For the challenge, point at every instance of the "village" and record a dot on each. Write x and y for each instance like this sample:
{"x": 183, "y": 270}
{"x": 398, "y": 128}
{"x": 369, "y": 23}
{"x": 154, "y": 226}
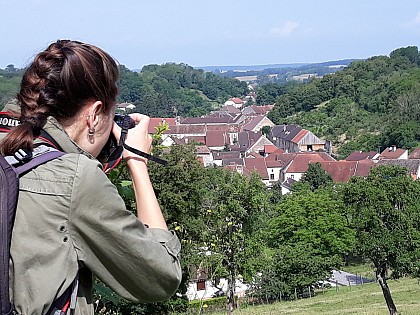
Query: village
{"x": 243, "y": 139}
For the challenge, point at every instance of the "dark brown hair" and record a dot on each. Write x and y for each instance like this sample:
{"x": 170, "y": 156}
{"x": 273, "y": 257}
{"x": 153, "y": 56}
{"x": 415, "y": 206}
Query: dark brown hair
{"x": 58, "y": 83}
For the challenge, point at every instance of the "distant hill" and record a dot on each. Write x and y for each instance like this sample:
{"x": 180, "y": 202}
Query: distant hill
{"x": 273, "y": 66}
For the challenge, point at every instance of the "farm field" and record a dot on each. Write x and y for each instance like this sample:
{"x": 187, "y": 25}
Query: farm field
{"x": 363, "y": 299}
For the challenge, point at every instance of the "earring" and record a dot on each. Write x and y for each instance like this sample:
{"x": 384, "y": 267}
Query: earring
{"x": 91, "y": 133}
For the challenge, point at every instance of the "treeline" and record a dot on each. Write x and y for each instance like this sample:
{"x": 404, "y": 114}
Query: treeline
{"x": 369, "y": 105}
{"x": 171, "y": 89}
{"x": 164, "y": 90}
{"x": 233, "y": 227}
{"x": 10, "y": 78}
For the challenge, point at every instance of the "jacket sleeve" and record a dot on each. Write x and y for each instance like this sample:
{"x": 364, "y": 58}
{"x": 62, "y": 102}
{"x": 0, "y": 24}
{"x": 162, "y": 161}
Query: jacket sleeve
{"x": 138, "y": 263}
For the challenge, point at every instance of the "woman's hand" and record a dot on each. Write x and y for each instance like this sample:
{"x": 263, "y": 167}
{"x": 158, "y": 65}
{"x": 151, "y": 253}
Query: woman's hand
{"x": 137, "y": 137}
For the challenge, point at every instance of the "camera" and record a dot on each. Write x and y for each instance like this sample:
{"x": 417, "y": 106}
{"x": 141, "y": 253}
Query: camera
{"x": 111, "y": 153}
{"x": 120, "y": 120}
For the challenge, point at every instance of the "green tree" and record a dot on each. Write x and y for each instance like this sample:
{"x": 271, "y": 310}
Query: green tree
{"x": 234, "y": 207}
{"x": 310, "y": 237}
{"x": 384, "y": 210}
{"x": 316, "y": 177}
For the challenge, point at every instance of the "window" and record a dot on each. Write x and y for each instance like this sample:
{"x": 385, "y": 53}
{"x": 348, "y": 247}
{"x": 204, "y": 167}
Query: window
{"x": 271, "y": 176}
{"x": 201, "y": 285}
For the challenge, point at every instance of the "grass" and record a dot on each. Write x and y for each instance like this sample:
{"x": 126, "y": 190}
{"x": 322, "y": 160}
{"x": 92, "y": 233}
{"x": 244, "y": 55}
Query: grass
{"x": 363, "y": 299}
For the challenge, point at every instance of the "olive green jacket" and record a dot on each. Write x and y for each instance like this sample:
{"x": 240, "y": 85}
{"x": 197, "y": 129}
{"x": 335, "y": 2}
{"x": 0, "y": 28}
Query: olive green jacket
{"x": 70, "y": 218}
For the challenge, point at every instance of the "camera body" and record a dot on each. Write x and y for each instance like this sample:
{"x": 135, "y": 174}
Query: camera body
{"x": 112, "y": 151}
{"x": 120, "y": 120}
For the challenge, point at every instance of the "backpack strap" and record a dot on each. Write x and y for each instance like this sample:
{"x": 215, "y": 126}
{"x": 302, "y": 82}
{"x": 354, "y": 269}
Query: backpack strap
{"x": 11, "y": 168}
{"x": 9, "y": 187}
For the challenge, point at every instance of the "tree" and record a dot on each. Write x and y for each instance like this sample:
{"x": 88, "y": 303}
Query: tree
{"x": 234, "y": 207}
{"x": 384, "y": 210}
{"x": 316, "y": 177}
{"x": 310, "y": 237}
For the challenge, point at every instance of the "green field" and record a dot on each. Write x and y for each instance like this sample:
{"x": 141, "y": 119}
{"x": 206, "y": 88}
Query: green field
{"x": 363, "y": 299}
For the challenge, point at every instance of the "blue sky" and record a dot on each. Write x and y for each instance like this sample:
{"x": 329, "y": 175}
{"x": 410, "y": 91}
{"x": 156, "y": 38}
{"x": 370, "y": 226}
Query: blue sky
{"x": 211, "y": 32}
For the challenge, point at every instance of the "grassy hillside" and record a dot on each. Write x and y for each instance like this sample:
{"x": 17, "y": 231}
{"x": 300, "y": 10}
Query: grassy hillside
{"x": 364, "y": 299}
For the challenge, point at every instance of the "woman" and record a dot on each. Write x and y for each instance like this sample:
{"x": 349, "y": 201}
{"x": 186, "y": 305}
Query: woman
{"x": 70, "y": 219}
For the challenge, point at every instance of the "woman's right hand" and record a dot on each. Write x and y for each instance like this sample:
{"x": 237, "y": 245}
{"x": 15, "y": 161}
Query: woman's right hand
{"x": 137, "y": 137}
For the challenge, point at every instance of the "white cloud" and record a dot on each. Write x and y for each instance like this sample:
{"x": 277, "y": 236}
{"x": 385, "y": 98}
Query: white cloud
{"x": 284, "y": 30}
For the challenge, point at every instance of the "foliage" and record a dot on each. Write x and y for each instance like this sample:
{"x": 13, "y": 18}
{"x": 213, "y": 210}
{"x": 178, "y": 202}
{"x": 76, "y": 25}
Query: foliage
{"x": 10, "y": 79}
{"x": 384, "y": 210}
{"x": 316, "y": 177}
{"x": 309, "y": 237}
{"x": 172, "y": 89}
{"x": 379, "y": 96}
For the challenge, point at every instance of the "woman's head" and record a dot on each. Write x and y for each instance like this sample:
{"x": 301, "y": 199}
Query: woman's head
{"x": 60, "y": 82}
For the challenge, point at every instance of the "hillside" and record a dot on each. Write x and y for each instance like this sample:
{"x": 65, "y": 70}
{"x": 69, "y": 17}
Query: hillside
{"x": 369, "y": 105}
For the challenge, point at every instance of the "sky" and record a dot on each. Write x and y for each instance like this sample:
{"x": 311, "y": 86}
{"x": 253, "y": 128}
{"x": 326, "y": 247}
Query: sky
{"x": 212, "y": 32}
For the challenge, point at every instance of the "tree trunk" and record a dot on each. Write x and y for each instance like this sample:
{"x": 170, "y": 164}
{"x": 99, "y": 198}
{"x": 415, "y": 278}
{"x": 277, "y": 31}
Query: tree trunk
{"x": 381, "y": 276}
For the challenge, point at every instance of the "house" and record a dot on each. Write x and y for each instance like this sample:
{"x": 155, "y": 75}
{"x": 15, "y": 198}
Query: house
{"x": 293, "y": 138}
{"x": 234, "y": 101}
{"x": 360, "y": 155}
{"x": 273, "y": 170}
{"x": 217, "y": 140}
{"x": 259, "y": 145}
{"x": 203, "y": 153}
{"x": 286, "y": 186}
{"x": 300, "y": 163}
{"x": 123, "y": 107}
{"x": 257, "y": 123}
{"x": 224, "y": 158}
{"x": 255, "y": 110}
{"x": 342, "y": 171}
{"x": 393, "y": 153}
{"x": 257, "y": 165}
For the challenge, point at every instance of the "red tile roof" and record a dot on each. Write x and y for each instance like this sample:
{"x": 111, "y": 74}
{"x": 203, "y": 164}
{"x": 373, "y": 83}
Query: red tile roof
{"x": 271, "y": 148}
{"x": 216, "y": 138}
{"x": 300, "y": 136}
{"x": 258, "y": 165}
{"x": 236, "y": 100}
{"x": 253, "y": 123}
{"x": 342, "y": 171}
{"x": 392, "y": 153}
{"x": 360, "y": 155}
{"x": 301, "y": 161}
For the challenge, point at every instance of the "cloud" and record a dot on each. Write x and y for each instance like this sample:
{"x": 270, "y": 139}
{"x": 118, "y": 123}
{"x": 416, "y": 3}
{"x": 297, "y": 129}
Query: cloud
{"x": 284, "y": 30}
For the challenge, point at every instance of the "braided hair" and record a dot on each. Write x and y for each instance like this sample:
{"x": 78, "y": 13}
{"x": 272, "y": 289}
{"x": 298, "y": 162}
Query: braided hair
{"x": 58, "y": 83}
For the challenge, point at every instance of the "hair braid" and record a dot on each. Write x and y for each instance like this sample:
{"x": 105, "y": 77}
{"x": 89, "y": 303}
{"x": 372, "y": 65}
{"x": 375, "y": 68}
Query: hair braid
{"x": 58, "y": 83}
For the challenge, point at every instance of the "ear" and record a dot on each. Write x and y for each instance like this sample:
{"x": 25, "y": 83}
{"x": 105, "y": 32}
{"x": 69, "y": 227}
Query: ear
{"x": 93, "y": 112}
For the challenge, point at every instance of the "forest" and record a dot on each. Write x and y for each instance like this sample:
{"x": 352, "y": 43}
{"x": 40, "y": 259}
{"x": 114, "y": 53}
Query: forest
{"x": 281, "y": 245}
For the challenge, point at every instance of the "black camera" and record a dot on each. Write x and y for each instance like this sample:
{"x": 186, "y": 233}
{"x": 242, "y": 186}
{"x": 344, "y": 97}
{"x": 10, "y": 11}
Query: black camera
{"x": 112, "y": 151}
{"x": 120, "y": 120}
